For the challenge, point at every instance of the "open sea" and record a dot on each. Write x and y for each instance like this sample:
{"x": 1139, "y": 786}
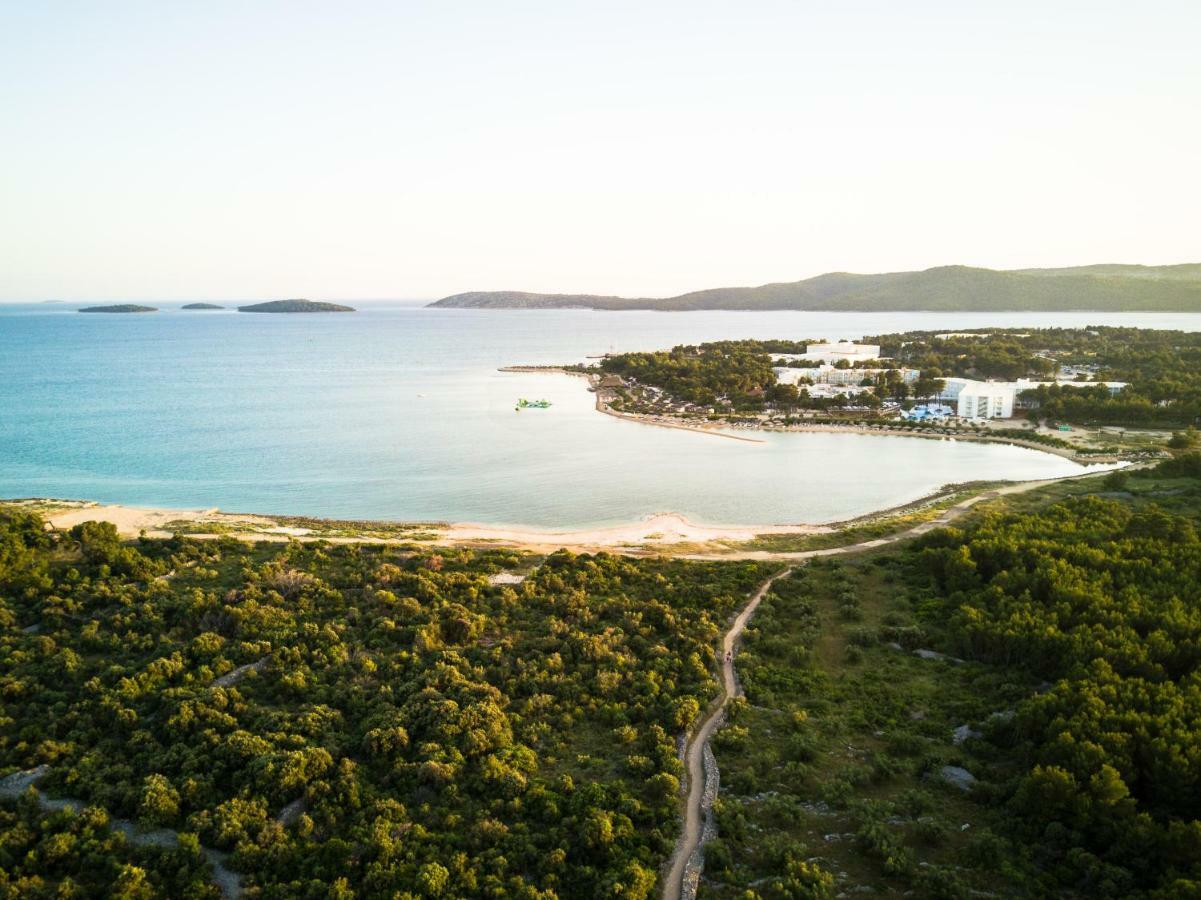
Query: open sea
{"x": 398, "y": 412}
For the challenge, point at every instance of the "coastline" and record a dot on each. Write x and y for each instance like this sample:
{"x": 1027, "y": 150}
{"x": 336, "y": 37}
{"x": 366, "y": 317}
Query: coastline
{"x": 658, "y": 530}
{"x": 882, "y": 430}
{"x": 602, "y": 404}
{"x": 660, "y": 533}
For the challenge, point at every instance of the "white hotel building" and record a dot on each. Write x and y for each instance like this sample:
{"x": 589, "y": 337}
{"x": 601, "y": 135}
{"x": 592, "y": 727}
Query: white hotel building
{"x": 995, "y": 399}
{"x": 852, "y": 353}
{"x": 980, "y": 399}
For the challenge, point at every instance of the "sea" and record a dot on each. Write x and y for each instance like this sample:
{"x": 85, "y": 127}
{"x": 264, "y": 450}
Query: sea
{"x": 400, "y": 412}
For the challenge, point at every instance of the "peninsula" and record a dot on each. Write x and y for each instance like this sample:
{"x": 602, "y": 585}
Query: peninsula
{"x": 1110, "y": 288}
{"x": 1091, "y": 395}
{"x": 119, "y": 308}
{"x": 295, "y": 306}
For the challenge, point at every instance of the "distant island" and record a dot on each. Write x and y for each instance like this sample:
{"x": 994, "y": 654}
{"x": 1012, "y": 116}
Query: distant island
{"x": 947, "y": 288}
{"x": 295, "y": 306}
{"x": 119, "y": 308}
{"x": 202, "y": 306}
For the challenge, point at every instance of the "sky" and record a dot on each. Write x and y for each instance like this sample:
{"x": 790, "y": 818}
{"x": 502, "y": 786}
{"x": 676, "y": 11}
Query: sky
{"x": 232, "y": 150}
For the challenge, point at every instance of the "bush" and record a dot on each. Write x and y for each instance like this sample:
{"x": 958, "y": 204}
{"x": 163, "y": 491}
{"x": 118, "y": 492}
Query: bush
{"x": 1186, "y": 465}
{"x": 1117, "y": 481}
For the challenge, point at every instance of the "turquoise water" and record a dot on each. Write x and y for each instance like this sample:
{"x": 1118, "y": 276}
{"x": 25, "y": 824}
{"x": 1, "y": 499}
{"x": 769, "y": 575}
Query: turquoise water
{"x": 398, "y": 412}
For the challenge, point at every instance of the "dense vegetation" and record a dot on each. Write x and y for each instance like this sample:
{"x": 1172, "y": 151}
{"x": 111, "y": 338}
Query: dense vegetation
{"x": 1066, "y": 703}
{"x": 739, "y": 371}
{"x": 1103, "y": 600}
{"x": 1163, "y": 369}
{"x": 1087, "y": 288}
{"x": 1009, "y": 706}
{"x": 348, "y": 719}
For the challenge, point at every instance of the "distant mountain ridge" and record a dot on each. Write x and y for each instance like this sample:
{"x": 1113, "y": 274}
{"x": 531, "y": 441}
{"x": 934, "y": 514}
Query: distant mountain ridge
{"x": 1108, "y": 287}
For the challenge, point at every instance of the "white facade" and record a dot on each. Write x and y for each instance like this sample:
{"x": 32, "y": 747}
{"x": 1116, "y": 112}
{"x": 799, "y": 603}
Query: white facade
{"x": 1115, "y": 387}
{"x": 792, "y": 374}
{"x": 828, "y": 374}
{"x": 832, "y": 353}
{"x": 996, "y": 399}
{"x": 986, "y": 402}
{"x": 831, "y": 375}
{"x": 980, "y": 399}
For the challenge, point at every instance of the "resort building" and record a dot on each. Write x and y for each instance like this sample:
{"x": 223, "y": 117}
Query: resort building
{"x": 832, "y": 375}
{"x": 828, "y": 374}
{"x": 852, "y": 353}
{"x": 1115, "y": 387}
{"x": 980, "y": 399}
{"x": 793, "y": 374}
{"x": 997, "y": 399}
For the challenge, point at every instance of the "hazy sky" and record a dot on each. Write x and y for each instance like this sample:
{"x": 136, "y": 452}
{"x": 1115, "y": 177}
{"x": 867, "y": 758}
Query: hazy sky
{"x": 164, "y": 150}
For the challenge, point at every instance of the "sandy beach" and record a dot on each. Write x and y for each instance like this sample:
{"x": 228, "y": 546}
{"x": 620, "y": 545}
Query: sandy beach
{"x": 663, "y": 529}
{"x": 658, "y": 530}
{"x": 666, "y": 532}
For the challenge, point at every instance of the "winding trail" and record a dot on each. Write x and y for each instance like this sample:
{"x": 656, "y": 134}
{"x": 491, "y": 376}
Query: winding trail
{"x": 690, "y": 838}
{"x": 686, "y": 860}
{"x": 226, "y": 879}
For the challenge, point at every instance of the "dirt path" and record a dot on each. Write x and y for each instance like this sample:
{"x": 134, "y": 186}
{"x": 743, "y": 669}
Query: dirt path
{"x": 950, "y": 514}
{"x": 686, "y": 863}
{"x": 694, "y": 754}
{"x": 227, "y": 881}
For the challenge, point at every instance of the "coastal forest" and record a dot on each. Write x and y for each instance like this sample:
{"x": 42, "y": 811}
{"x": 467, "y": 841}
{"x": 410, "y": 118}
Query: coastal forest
{"x": 1008, "y": 705}
{"x": 345, "y": 720}
{"x": 1162, "y": 370}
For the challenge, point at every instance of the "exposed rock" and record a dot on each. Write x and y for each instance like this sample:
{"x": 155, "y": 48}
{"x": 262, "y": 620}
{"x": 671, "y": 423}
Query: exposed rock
{"x": 236, "y": 675}
{"x": 290, "y": 813}
{"x": 963, "y": 733}
{"x": 506, "y": 578}
{"x": 696, "y": 863}
{"x": 15, "y": 784}
{"x": 934, "y": 654}
{"x": 957, "y": 776}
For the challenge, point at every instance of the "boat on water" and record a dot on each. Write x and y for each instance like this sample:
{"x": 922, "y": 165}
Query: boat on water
{"x": 531, "y": 404}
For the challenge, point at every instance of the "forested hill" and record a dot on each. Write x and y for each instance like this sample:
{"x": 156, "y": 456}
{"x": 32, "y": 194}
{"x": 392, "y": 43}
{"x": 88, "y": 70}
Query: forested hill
{"x": 960, "y": 288}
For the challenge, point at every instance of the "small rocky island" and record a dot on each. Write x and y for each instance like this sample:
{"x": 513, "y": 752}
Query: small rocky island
{"x": 295, "y": 306}
{"x": 119, "y": 308}
{"x": 202, "y": 306}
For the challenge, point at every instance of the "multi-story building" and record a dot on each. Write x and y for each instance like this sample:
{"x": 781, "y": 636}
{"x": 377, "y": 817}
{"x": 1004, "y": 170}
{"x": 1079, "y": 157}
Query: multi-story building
{"x": 997, "y": 399}
{"x": 828, "y": 374}
{"x": 852, "y": 353}
{"x": 980, "y": 399}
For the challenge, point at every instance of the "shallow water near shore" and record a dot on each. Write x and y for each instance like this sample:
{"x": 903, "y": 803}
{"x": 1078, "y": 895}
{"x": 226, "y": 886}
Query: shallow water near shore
{"x": 398, "y": 412}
